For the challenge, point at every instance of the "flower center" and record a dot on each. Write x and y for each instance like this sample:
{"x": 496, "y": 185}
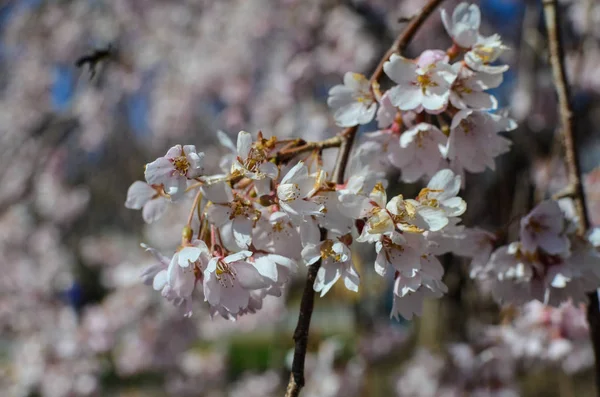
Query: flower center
{"x": 467, "y": 126}
{"x": 424, "y": 198}
{"x": 328, "y": 252}
{"x": 278, "y": 226}
{"x": 380, "y": 221}
{"x": 485, "y": 54}
{"x": 181, "y": 164}
{"x": 225, "y": 274}
{"x": 424, "y": 81}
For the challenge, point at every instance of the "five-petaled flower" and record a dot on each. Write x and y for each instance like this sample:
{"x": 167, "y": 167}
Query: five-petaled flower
{"x": 174, "y": 169}
{"x": 422, "y": 84}
{"x": 353, "y": 102}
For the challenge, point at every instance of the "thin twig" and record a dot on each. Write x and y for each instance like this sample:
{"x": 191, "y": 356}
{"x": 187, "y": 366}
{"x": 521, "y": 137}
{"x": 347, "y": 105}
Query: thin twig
{"x": 296, "y": 381}
{"x": 288, "y": 153}
{"x": 575, "y": 187}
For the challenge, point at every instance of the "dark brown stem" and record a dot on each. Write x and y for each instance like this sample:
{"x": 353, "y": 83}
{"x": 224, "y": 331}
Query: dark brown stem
{"x": 344, "y": 155}
{"x": 575, "y": 188}
{"x": 296, "y": 382}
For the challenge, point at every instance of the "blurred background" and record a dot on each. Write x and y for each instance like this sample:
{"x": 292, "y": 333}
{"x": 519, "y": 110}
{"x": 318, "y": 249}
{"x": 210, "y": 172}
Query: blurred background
{"x": 75, "y": 318}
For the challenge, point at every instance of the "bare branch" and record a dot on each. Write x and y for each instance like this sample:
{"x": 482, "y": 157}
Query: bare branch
{"x": 575, "y": 187}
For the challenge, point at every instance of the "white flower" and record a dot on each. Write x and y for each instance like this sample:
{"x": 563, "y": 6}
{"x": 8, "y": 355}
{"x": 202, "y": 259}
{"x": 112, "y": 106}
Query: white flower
{"x": 467, "y": 90}
{"x": 174, "y": 169}
{"x": 379, "y": 220}
{"x": 517, "y": 276}
{"x": 148, "y": 198}
{"x": 252, "y": 162}
{"x": 402, "y": 252}
{"x": 276, "y": 234}
{"x": 335, "y": 218}
{"x": 410, "y": 290}
{"x": 336, "y": 263}
{"x": 464, "y": 26}
{"x": 422, "y": 84}
{"x": 353, "y": 102}
{"x": 433, "y": 207}
{"x": 441, "y": 192}
{"x": 233, "y": 215}
{"x": 474, "y": 142}
{"x": 544, "y": 227}
{"x": 229, "y": 280}
{"x": 176, "y": 278}
{"x": 419, "y": 154}
{"x": 485, "y": 51}
{"x": 184, "y": 269}
{"x": 295, "y": 192}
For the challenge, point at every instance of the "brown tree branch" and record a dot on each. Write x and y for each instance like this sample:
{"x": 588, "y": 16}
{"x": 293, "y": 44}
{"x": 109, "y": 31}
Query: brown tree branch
{"x": 332, "y": 142}
{"x": 296, "y": 382}
{"x": 575, "y": 187}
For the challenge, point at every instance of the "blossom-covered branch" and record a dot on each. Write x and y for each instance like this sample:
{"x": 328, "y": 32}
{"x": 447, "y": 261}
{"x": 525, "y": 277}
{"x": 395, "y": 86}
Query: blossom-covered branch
{"x": 274, "y": 205}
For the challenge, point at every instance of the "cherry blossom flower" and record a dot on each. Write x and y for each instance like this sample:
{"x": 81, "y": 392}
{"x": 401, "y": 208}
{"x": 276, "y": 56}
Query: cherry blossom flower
{"x": 174, "y": 169}
{"x": 474, "y": 143}
{"x": 228, "y": 281}
{"x": 441, "y": 192}
{"x": 276, "y": 234}
{"x": 400, "y": 251}
{"x": 464, "y": 25}
{"x": 336, "y": 263}
{"x": 422, "y": 84}
{"x": 353, "y": 102}
{"x": 484, "y": 52}
{"x": 252, "y": 162}
{"x": 295, "y": 192}
{"x": 148, "y": 198}
{"x": 544, "y": 227}
{"x": 517, "y": 276}
{"x": 433, "y": 207}
{"x": 379, "y": 221}
{"x": 419, "y": 154}
{"x": 468, "y": 89}
{"x": 410, "y": 290}
{"x": 232, "y": 214}
{"x": 177, "y": 281}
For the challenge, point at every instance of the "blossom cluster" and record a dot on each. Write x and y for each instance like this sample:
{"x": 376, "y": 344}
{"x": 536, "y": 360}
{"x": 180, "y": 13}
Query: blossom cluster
{"x": 274, "y": 205}
{"x": 550, "y": 263}
{"x": 438, "y": 113}
{"x": 264, "y": 216}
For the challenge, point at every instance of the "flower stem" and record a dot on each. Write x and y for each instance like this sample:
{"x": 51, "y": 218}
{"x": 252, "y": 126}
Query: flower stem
{"x": 187, "y": 230}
